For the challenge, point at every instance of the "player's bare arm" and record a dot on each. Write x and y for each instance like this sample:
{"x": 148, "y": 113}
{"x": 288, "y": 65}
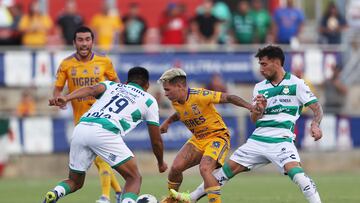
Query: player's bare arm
{"x": 316, "y": 132}
{"x": 165, "y": 125}
{"x": 79, "y": 93}
{"x": 157, "y": 146}
{"x": 57, "y": 91}
{"x": 233, "y": 99}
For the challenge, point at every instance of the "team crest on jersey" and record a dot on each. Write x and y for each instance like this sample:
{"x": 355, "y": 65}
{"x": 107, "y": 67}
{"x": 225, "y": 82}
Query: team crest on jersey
{"x": 85, "y": 72}
{"x": 286, "y": 90}
{"x": 73, "y": 71}
{"x": 96, "y": 70}
{"x": 195, "y": 109}
{"x": 186, "y": 113}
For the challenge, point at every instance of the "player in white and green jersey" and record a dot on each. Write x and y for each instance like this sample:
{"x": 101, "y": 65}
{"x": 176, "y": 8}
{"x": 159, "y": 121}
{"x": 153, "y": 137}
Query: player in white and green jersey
{"x": 119, "y": 108}
{"x": 278, "y": 101}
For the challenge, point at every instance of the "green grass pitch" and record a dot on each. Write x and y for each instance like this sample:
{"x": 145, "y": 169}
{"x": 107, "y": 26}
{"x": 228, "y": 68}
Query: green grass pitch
{"x": 250, "y": 187}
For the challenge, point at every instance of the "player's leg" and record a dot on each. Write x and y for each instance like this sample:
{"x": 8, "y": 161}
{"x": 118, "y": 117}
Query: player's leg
{"x": 246, "y": 157}
{"x": 305, "y": 183}
{"x": 286, "y": 157}
{"x": 129, "y": 171}
{"x": 70, "y": 185}
{"x": 105, "y": 174}
{"x": 187, "y": 157}
{"x": 116, "y": 187}
{"x": 80, "y": 159}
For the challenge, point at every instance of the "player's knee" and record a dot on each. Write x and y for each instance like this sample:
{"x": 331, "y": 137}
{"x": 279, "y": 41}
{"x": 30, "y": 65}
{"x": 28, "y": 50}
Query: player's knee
{"x": 205, "y": 170}
{"x": 134, "y": 176}
{"x": 177, "y": 168}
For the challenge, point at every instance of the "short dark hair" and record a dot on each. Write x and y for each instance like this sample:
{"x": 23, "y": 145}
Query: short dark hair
{"x": 272, "y": 52}
{"x": 83, "y": 29}
{"x": 138, "y": 75}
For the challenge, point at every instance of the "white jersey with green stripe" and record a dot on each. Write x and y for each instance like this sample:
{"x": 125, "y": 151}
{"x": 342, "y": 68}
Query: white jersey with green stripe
{"x": 121, "y": 107}
{"x": 284, "y": 104}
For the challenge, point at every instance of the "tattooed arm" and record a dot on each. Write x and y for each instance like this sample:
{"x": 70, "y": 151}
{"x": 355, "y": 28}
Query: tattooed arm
{"x": 233, "y": 99}
{"x": 316, "y": 132}
{"x": 165, "y": 125}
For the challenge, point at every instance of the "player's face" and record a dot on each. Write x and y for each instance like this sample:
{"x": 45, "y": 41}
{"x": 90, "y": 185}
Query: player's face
{"x": 83, "y": 44}
{"x": 268, "y": 67}
{"x": 171, "y": 91}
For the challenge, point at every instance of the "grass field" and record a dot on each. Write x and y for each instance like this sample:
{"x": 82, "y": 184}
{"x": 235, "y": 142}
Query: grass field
{"x": 244, "y": 188}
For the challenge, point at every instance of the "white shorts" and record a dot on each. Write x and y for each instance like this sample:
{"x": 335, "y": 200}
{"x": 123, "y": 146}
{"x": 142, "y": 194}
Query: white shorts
{"x": 254, "y": 154}
{"x": 89, "y": 140}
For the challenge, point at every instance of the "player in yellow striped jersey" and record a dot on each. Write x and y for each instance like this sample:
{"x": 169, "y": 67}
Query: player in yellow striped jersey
{"x": 86, "y": 68}
{"x": 210, "y": 142}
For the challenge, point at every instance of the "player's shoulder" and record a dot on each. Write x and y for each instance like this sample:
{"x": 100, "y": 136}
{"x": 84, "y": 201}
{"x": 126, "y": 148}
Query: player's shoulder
{"x": 195, "y": 91}
{"x": 101, "y": 55}
{"x": 68, "y": 61}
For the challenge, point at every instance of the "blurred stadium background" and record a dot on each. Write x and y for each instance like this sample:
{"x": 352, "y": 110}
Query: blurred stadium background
{"x": 36, "y": 149}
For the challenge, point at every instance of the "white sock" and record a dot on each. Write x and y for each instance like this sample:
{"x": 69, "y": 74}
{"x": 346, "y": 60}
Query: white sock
{"x": 128, "y": 200}
{"x": 60, "y": 191}
{"x": 199, "y": 192}
{"x": 307, "y": 187}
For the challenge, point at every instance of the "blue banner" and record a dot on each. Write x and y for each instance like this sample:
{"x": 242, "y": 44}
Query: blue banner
{"x": 235, "y": 66}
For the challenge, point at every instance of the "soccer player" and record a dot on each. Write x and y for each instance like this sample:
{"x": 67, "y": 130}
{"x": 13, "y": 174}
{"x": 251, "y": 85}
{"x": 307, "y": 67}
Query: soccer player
{"x": 119, "y": 109}
{"x": 210, "y": 142}
{"x": 278, "y": 102}
{"x": 86, "y": 68}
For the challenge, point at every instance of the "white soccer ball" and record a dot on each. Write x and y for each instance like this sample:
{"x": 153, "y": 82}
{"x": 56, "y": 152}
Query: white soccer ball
{"x": 146, "y": 198}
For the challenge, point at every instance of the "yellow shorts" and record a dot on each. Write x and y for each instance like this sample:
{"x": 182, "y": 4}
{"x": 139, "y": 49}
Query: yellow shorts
{"x": 216, "y": 147}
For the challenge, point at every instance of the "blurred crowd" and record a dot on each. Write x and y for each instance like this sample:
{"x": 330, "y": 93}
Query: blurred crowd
{"x": 214, "y": 22}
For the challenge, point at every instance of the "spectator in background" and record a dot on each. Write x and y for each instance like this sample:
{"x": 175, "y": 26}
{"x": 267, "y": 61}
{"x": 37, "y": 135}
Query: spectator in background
{"x": 68, "y": 22}
{"x": 173, "y": 25}
{"x": 216, "y": 83}
{"x": 134, "y": 26}
{"x": 35, "y": 26}
{"x": 27, "y": 106}
{"x": 205, "y": 26}
{"x": 16, "y": 12}
{"x": 335, "y": 92}
{"x": 244, "y": 28}
{"x": 107, "y": 27}
{"x": 332, "y": 25}
{"x": 6, "y": 135}
{"x": 288, "y": 23}
{"x": 8, "y": 22}
{"x": 223, "y": 13}
{"x": 262, "y": 21}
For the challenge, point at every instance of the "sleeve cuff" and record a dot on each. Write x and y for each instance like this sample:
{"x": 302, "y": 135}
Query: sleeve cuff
{"x": 311, "y": 102}
{"x": 152, "y": 123}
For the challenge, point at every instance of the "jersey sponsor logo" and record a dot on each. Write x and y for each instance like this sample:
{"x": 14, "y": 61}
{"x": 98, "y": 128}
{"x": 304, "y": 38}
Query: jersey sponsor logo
{"x": 85, "y": 81}
{"x": 96, "y": 70}
{"x": 285, "y": 100}
{"x": 195, "y": 109}
{"x": 191, "y": 123}
{"x": 73, "y": 71}
{"x": 98, "y": 115}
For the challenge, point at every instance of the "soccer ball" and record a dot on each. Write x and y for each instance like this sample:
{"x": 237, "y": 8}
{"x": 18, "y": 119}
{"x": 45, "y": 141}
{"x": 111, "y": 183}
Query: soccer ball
{"x": 146, "y": 198}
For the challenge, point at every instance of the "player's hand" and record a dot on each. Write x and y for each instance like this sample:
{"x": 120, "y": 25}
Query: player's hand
{"x": 164, "y": 127}
{"x": 162, "y": 167}
{"x": 316, "y": 132}
{"x": 261, "y": 102}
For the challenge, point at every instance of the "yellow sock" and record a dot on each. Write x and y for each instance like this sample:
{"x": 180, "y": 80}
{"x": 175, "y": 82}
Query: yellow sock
{"x": 213, "y": 194}
{"x": 105, "y": 176}
{"x": 114, "y": 183}
{"x": 173, "y": 185}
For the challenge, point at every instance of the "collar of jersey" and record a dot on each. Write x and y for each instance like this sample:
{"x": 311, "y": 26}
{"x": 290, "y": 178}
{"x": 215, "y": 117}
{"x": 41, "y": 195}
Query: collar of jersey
{"x": 286, "y": 77}
{"x": 135, "y": 85}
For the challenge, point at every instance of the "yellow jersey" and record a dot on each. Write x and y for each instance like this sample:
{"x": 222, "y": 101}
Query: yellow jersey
{"x": 80, "y": 74}
{"x": 199, "y": 114}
